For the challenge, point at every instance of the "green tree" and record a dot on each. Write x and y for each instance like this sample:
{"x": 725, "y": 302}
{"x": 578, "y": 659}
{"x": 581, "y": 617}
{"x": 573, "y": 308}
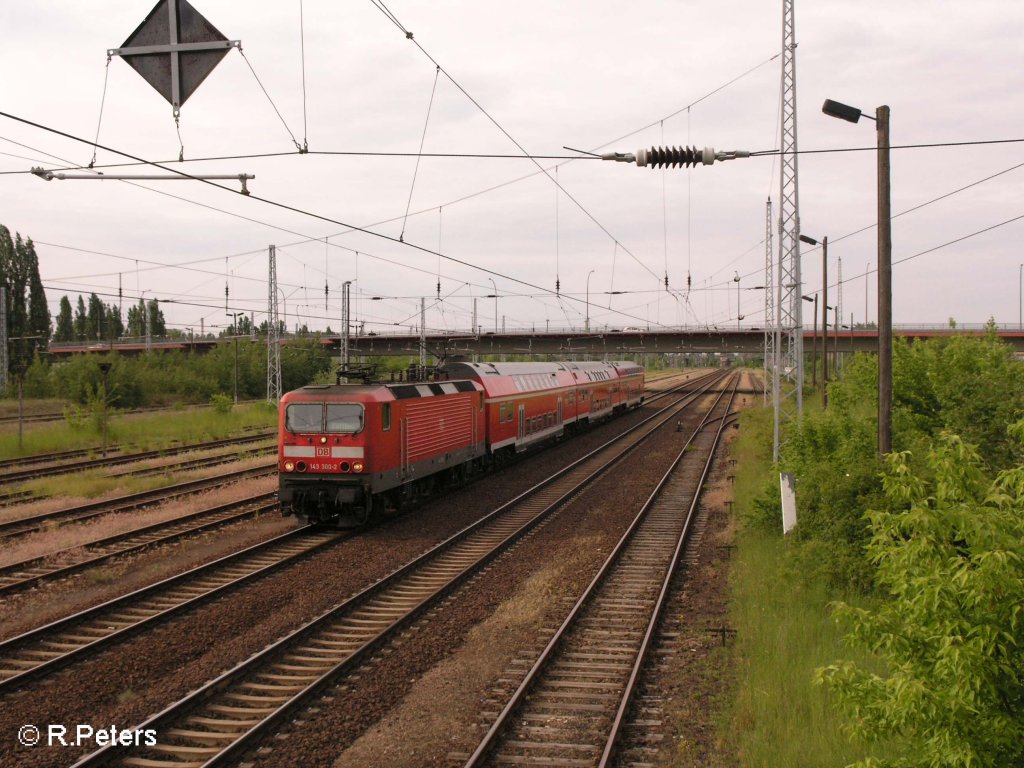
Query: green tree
{"x": 81, "y": 321}
{"x": 28, "y": 318}
{"x": 65, "y": 330}
{"x": 115, "y": 327}
{"x": 950, "y": 559}
{"x": 157, "y": 324}
{"x": 137, "y": 319}
{"x": 95, "y": 320}
{"x": 38, "y": 315}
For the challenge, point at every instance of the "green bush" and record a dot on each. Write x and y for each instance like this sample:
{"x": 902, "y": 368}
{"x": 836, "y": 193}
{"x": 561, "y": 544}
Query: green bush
{"x": 221, "y": 403}
{"x": 950, "y": 634}
{"x": 971, "y": 386}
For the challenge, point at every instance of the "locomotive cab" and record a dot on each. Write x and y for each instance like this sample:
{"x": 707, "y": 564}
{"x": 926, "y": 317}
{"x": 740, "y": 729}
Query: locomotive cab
{"x": 349, "y": 451}
{"x": 324, "y": 459}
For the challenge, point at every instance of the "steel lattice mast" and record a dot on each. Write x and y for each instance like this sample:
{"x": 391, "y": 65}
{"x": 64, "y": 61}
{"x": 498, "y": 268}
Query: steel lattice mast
{"x": 346, "y": 325}
{"x": 273, "y": 334}
{"x": 789, "y": 289}
{"x": 771, "y": 340}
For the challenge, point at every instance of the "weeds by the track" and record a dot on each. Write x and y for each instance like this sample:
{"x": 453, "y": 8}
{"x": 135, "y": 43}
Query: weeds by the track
{"x": 141, "y": 431}
{"x": 784, "y": 632}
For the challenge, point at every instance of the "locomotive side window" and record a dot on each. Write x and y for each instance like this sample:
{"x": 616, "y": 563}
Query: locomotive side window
{"x": 385, "y": 412}
{"x": 304, "y": 417}
{"x": 344, "y": 417}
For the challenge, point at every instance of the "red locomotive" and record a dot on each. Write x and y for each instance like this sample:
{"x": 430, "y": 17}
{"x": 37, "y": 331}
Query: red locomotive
{"x": 347, "y": 451}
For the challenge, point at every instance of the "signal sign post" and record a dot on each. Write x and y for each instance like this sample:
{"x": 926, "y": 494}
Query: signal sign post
{"x": 174, "y": 49}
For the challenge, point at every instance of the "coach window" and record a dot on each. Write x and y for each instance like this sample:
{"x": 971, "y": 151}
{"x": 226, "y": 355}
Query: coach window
{"x": 344, "y": 417}
{"x": 304, "y": 417}
{"x": 385, "y": 412}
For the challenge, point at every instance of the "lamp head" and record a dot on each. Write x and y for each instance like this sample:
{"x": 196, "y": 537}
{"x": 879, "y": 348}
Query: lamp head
{"x": 842, "y": 111}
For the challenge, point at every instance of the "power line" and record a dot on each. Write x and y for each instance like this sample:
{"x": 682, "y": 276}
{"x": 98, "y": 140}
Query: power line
{"x": 325, "y": 153}
{"x": 957, "y": 240}
{"x": 897, "y": 215}
{"x": 770, "y": 152}
{"x": 282, "y": 206}
{"x": 409, "y": 36}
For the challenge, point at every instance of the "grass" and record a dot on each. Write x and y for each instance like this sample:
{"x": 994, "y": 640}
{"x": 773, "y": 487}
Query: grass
{"x": 785, "y": 631}
{"x": 9, "y": 407}
{"x": 140, "y": 431}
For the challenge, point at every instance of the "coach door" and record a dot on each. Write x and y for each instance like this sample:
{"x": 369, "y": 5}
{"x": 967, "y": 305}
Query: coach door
{"x": 522, "y": 421}
{"x": 403, "y": 446}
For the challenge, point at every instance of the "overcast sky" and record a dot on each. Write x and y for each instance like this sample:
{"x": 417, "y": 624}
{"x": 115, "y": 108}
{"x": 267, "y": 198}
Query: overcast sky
{"x": 581, "y": 74}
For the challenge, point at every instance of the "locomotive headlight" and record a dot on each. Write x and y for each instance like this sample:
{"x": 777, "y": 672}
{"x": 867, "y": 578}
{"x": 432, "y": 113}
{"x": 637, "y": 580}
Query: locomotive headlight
{"x": 357, "y": 466}
{"x": 323, "y": 439}
{"x": 289, "y": 466}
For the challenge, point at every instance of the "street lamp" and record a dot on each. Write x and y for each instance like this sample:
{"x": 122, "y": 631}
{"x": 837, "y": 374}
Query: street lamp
{"x": 495, "y": 297}
{"x": 736, "y": 279}
{"x": 814, "y": 353}
{"x": 824, "y": 314}
{"x": 234, "y": 332}
{"x": 852, "y": 114}
{"x": 867, "y": 271}
{"x": 588, "y": 301}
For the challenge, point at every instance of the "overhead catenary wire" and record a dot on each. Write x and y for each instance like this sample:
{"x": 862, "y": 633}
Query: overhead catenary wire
{"x": 409, "y": 36}
{"x": 302, "y": 50}
{"x": 873, "y": 225}
{"x": 276, "y": 204}
{"x": 419, "y": 155}
{"x": 259, "y": 82}
{"x": 484, "y": 156}
{"x": 103, "y": 101}
{"x": 143, "y": 162}
{"x": 489, "y": 189}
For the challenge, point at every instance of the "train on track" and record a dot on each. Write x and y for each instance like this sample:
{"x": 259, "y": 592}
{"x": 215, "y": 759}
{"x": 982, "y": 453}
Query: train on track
{"x": 348, "y": 452}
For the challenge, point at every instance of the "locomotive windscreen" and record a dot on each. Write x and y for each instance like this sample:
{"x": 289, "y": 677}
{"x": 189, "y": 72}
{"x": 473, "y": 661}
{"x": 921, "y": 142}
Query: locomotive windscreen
{"x": 321, "y": 417}
{"x": 304, "y": 417}
{"x": 344, "y": 417}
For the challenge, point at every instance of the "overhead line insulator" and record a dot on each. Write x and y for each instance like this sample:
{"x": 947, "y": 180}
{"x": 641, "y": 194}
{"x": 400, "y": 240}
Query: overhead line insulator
{"x": 684, "y": 156}
{"x": 657, "y": 157}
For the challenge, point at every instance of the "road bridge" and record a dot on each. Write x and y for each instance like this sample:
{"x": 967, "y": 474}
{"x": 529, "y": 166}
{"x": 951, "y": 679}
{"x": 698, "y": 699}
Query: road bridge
{"x": 597, "y": 344}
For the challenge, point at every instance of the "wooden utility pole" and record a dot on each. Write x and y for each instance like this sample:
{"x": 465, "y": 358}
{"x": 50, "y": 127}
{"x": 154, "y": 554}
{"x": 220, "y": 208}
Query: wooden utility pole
{"x": 824, "y": 321}
{"x": 884, "y": 285}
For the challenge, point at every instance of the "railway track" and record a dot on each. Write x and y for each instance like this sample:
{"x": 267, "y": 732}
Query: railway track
{"x": 227, "y": 716}
{"x": 40, "y": 418}
{"x": 10, "y": 529}
{"x": 203, "y": 463}
{"x": 18, "y": 475}
{"x": 30, "y": 573}
{"x": 40, "y": 651}
{"x": 573, "y": 701}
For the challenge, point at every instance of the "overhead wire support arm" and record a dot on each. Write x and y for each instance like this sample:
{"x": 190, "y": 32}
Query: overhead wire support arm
{"x": 51, "y": 175}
